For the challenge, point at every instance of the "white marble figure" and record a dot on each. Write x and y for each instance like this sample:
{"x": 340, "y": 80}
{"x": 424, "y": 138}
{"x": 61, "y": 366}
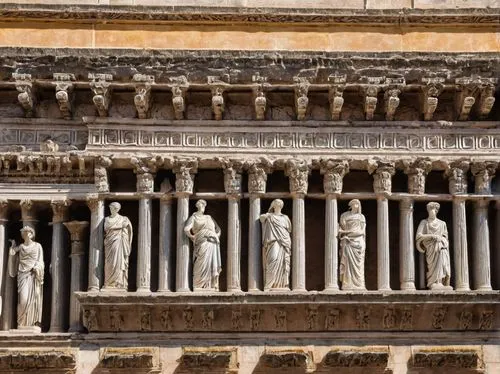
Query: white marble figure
{"x": 276, "y": 247}
{"x": 432, "y": 239}
{"x": 26, "y": 262}
{"x": 117, "y": 245}
{"x": 205, "y": 233}
{"x": 352, "y": 234}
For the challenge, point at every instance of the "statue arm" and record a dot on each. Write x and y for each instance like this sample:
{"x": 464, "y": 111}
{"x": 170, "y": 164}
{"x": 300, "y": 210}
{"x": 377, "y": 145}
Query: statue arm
{"x": 420, "y": 236}
{"x": 263, "y": 217}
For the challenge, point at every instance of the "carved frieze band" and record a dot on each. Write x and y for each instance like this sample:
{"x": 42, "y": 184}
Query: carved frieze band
{"x": 33, "y": 137}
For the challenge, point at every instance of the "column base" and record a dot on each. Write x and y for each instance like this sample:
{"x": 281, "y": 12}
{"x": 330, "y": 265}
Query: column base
{"x": 76, "y": 329}
{"x": 113, "y": 289}
{"x": 408, "y": 286}
{"x": 484, "y": 288}
{"x": 56, "y": 329}
{"x": 332, "y": 289}
{"x": 235, "y": 290}
{"x": 93, "y": 289}
{"x": 284, "y": 289}
{"x": 183, "y": 290}
{"x": 164, "y": 291}
{"x": 462, "y": 289}
{"x": 143, "y": 290}
{"x": 253, "y": 290}
{"x": 384, "y": 289}
{"x": 299, "y": 290}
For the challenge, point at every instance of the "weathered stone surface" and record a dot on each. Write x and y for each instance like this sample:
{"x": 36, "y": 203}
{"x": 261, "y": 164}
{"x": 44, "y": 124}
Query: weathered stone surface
{"x": 356, "y": 359}
{"x": 40, "y": 360}
{"x": 128, "y": 358}
{"x": 448, "y": 359}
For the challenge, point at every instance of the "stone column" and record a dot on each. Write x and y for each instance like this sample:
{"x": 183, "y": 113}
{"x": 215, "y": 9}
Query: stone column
{"x": 165, "y": 258}
{"x": 4, "y": 206}
{"x": 382, "y": 185}
{"x": 483, "y": 173}
{"x": 497, "y": 245}
{"x": 232, "y": 186}
{"x": 298, "y": 172}
{"x": 457, "y": 177}
{"x": 184, "y": 182}
{"x": 417, "y": 172}
{"x": 257, "y": 178}
{"x": 77, "y": 230}
{"x": 333, "y": 171}
{"x": 96, "y": 243}
{"x": 57, "y": 268}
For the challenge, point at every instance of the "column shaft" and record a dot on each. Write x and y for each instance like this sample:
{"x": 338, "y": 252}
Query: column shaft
{"x": 254, "y": 245}
{"x": 331, "y": 244}
{"x": 233, "y": 245}
{"x": 460, "y": 246}
{"x": 96, "y": 251}
{"x": 182, "y": 270}
{"x": 4, "y": 302}
{"x": 383, "y": 264}
{"x": 165, "y": 257}
{"x": 144, "y": 246}
{"x": 58, "y": 279}
{"x": 298, "y": 245}
{"x": 406, "y": 246}
{"x": 497, "y": 246}
{"x": 482, "y": 272}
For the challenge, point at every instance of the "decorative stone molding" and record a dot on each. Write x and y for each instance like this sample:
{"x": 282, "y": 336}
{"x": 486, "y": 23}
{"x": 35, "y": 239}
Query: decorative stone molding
{"x": 417, "y": 171}
{"x": 179, "y": 85}
{"x": 203, "y": 359}
{"x": 142, "y": 98}
{"x": 38, "y": 360}
{"x": 382, "y": 176}
{"x": 90, "y": 321}
{"x": 456, "y": 358}
{"x": 357, "y": 358}
{"x": 370, "y": 92}
{"x": 26, "y": 97}
{"x": 64, "y": 88}
{"x": 297, "y": 172}
{"x": 430, "y": 91}
{"x": 232, "y": 176}
{"x": 484, "y": 172}
{"x": 486, "y": 96}
{"x": 257, "y": 175}
{"x": 28, "y": 210}
{"x": 293, "y": 358}
{"x": 335, "y": 95}
{"x": 59, "y": 210}
{"x": 78, "y": 233}
{"x": 100, "y": 85}
{"x": 456, "y": 172}
{"x": 184, "y": 175}
{"x": 334, "y": 172}
{"x": 101, "y": 179}
{"x": 301, "y": 101}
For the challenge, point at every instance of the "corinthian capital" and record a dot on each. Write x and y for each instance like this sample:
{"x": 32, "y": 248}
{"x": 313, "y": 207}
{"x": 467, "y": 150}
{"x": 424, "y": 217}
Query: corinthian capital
{"x": 232, "y": 176}
{"x": 382, "y": 176}
{"x": 297, "y": 172}
{"x": 4, "y": 209}
{"x": 483, "y": 173}
{"x": 59, "y": 210}
{"x": 457, "y": 176}
{"x": 27, "y": 210}
{"x": 417, "y": 171}
{"x": 184, "y": 175}
{"x": 257, "y": 175}
{"x": 145, "y": 168}
{"x": 101, "y": 173}
{"x": 334, "y": 172}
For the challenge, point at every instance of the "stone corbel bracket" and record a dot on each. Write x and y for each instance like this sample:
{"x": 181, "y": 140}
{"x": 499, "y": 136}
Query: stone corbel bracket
{"x": 370, "y": 91}
{"x": 301, "y": 101}
{"x": 217, "y": 87}
{"x": 26, "y": 96}
{"x": 179, "y": 85}
{"x": 64, "y": 88}
{"x": 431, "y": 89}
{"x": 335, "y": 95}
{"x": 100, "y": 85}
{"x": 394, "y": 86}
{"x": 259, "y": 95}
{"x": 468, "y": 89}
{"x": 288, "y": 359}
{"x": 142, "y": 98}
{"x": 486, "y": 96}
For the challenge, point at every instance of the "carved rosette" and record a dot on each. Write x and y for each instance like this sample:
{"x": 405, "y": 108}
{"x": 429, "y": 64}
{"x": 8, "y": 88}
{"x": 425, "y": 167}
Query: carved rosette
{"x": 457, "y": 177}
{"x": 417, "y": 172}
{"x": 59, "y": 210}
{"x": 232, "y": 176}
{"x": 184, "y": 175}
{"x": 334, "y": 172}
{"x": 382, "y": 176}
{"x": 257, "y": 175}
{"x": 483, "y": 173}
{"x": 101, "y": 166}
{"x": 297, "y": 172}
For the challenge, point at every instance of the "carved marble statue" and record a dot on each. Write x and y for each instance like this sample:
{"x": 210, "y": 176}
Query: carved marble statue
{"x": 26, "y": 262}
{"x": 432, "y": 239}
{"x": 117, "y": 244}
{"x": 205, "y": 233}
{"x": 352, "y": 234}
{"x": 276, "y": 247}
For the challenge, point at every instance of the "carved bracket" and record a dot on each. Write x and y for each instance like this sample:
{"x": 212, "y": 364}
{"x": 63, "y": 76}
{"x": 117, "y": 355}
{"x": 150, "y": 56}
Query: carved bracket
{"x": 217, "y": 88}
{"x": 142, "y": 99}
{"x": 431, "y": 89}
{"x": 301, "y": 101}
{"x": 391, "y": 96}
{"x": 64, "y": 89}
{"x": 100, "y": 86}
{"x": 335, "y": 95}
{"x": 179, "y": 85}
{"x": 486, "y": 96}
{"x": 26, "y": 97}
{"x": 370, "y": 92}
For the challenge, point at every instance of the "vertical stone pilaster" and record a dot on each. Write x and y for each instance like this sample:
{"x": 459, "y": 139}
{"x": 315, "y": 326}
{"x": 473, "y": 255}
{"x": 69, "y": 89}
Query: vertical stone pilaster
{"x": 165, "y": 257}
{"x": 57, "y": 268}
{"x": 497, "y": 244}
{"x": 406, "y": 246}
{"x": 77, "y": 230}
{"x": 96, "y": 243}
{"x": 4, "y": 303}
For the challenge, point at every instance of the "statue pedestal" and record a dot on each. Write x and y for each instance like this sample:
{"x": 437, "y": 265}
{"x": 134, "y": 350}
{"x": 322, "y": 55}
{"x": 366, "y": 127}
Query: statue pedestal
{"x": 26, "y": 330}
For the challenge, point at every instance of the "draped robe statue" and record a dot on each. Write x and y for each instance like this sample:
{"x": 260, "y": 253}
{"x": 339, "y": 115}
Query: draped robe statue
{"x": 117, "y": 245}
{"x": 276, "y": 247}
{"x": 432, "y": 239}
{"x": 26, "y": 262}
{"x": 352, "y": 234}
{"x": 205, "y": 234}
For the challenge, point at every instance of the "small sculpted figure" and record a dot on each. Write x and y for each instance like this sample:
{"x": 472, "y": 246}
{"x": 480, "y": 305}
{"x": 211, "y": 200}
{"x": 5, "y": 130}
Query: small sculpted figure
{"x": 352, "y": 234}
{"x": 26, "y": 262}
{"x": 432, "y": 239}
{"x": 117, "y": 245}
{"x": 204, "y": 233}
{"x": 276, "y": 247}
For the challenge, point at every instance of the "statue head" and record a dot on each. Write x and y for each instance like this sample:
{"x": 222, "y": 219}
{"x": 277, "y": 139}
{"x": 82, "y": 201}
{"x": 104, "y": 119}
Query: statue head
{"x": 355, "y": 206}
{"x": 114, "y": 208}
{"x": 276, "y": 206}
{"x": 201, "y": 204}
{"x": 433, "y": 209}
{"x": 27, "y": 233}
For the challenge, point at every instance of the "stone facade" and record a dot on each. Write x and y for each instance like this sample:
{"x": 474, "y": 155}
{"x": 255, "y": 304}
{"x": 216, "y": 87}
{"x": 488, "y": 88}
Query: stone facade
{"x": 315, "y": 109}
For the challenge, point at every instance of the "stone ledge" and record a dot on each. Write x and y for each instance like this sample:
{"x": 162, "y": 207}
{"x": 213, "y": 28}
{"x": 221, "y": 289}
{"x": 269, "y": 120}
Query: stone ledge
{"x": 446, "y": 359}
